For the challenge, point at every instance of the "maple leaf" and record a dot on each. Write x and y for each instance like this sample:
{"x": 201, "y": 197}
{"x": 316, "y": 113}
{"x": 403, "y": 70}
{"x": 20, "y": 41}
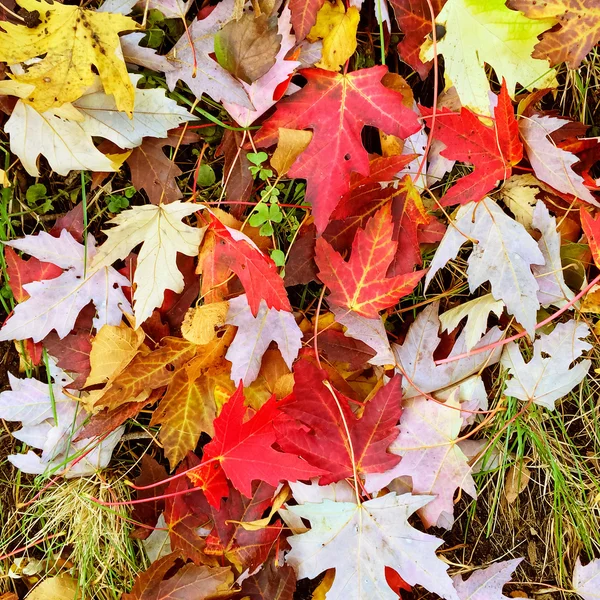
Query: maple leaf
{"x": 359, "y": 541}
{"x": 245, "y": 549}
{"x": 553, "y": 289}
{"x": 503, "y": 255}
{"x": 262, "y": 92}
{"x": 161, "y": 233}
{"x": 63, "y": 143}
{"x": 244, "y": 452}
{"x": 578, "y": 33}
{"x": 414, "y": 18}
{"x": 476, "y": 34}
{"x": 21, "y": 272}
{"x": 585, "y": 579}
{"x": 477, "y": 312}
{"x": 430, "y": 457}
{"x": 337, "y": 107}
{"x": 153, "y": 115}
{"x": 54, "y": 304}
{"x": 324, "y": 420}
{"x": 136, "y": 54}
{"x": 591, "y": 228}
{"x": 552, "y": 164}
{"x": 189, "y": 582}
{"x": 257, "y": 272}
{"x": 72, "y": 40}
{"x": 272, "y": 582}
{"x": 486, "y": 584}
{"x": 194, "y": 66}
{"x": 548, "y": 377}
{"x": 360, "y": 284}
{"x": 238, "y": 178}
{"x": 254, "y": 335}
{"x": 304, "y": 15}
{"x": 414, "y": 358}
{"x": 148, "y": 513}
{"x": 492, "y": 150}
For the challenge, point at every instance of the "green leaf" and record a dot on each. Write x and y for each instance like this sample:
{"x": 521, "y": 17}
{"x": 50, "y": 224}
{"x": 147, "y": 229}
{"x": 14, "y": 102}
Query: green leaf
{"x": 35, "y": 193}
{"x": 257, "y": 158}
{"x": 206, "y": 176}
{"x": 278, "y": 257}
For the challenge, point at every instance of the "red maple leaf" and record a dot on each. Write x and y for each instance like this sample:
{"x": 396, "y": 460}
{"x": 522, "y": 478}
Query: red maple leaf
{"x": 591, "y": 228}
{"x": 337, "y": 107}
{"x": 360, "y": 284}
{"x": 256, "y": 271}
{"x": 244, "y": 452}
{"x": 244, "y": 548}
{"x": 21, "y": 272}
{"x": 414, "y": 18}
{"x": 493, "y": 150}
{"x": 304, "y": 16}
{"x": 323, "y": 419}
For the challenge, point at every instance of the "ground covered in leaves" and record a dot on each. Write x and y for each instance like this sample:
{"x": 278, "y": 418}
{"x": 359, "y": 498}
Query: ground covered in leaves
{"x": 300, "y": 299}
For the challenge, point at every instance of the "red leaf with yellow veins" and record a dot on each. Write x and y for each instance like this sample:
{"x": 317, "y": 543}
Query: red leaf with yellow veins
{"x": 493, "y": 150}
{"x": 360, "y": 284}
{"x": 21, "y": 272}
{"x": 244, "y": 452}
{"x": 591, "y": 228}
{"x": 337, "y": 107}
{"x": 322, "y": 421}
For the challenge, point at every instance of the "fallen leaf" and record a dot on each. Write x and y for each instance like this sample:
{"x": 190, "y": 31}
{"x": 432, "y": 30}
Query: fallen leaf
{"x": 578, "y": 33}
{"x": 550, "y": 163}
{"x": 492, "y": 150}
{"x": 431, "y": 457}
{"x": 503, "y": 255}
{"x": 72, "y": 40}
{"x": 201, "y": 323}
{"x": 304, "y": 15}
{"x": 517, "y": 478}
{"x": 359, "y": 541}
{"x": 585, "y": 579}
{"x": 247, "y": 47}
{"x": 291, "y": 143}
{"x": 337, "y": 27}
{"x": 21, "y": 272}
{"x": 54, "y": 304}
{"x": 591, "y": 228}
{"x": 57, "y": 588}
{"x": 519, "y": 193}
{"x": 360, "y": 284}
{"x": 478, "y": 34}
{"x": 486, "y": 584}
{"x": 337, "y": 107}
{"x": 161, "y": 233}
{"x": 548, "y": 376}
{"x": 272, "y": 582}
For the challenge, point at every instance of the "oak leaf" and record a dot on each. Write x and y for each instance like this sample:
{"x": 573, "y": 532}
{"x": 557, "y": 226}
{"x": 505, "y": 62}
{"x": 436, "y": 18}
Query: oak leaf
{"x": 337, "y": 107}
{"x": 72, "y": 40}
{"x": 359, "y": 541}
{"x": 161, "y": 233}
{"x": 477, "y": 34}
{"x": 578, "y": 33}
{"x": 492, "y": 150}
{"x": 361, "y": 284}
{"x": 324, "y": 420}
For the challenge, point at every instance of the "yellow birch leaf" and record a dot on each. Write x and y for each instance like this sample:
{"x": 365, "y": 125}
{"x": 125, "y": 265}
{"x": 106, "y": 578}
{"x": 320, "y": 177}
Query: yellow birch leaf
{"x": 201, "y": 323}
{"x": 112, "y": 350}
{"x": 71, "y": 39}
{"x": 337, "y": 28}
{"x": 292, "y": 142}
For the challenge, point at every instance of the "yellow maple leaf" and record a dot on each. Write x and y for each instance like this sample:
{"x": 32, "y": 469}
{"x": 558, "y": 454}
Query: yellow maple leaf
{"x": 337, "y": 28}
{"x": 72, "y": 40}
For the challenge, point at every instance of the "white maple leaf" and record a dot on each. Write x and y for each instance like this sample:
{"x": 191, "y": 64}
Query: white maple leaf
{"x": 64, "y": 143}
{"x": 254, "y": 335}
{"x": 553, "y": 289}
{"x": 415, "y": 356}
{"x": 548, "y": 376}
{"x": 552, "y": 164}
{"x": 503, "y": 254}
{"x": 161, "y": 233}
{"x": 477, "y": 312}
{"x": 261, "y": 91}
{"x": 153, "y": 115}
{"x": 202, "y": 74}
{"x": 586, "y": 579}
{"x": 140, "y": 55}
{"x": 359, "y": 541}
{"x": 56, "y": 303}
{"x": 370, "y": 331}
{"x": 431, "y": 457}
{"x": 486, "y": 584}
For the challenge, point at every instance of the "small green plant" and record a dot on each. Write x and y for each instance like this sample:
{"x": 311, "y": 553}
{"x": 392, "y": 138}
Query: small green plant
{"x": 265, "y": 214}
{"x": 256, "y": 168}
{"x": 37, "y": 198}
{"x": 206, "y": 176}
{"x": 118, "y": 202}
